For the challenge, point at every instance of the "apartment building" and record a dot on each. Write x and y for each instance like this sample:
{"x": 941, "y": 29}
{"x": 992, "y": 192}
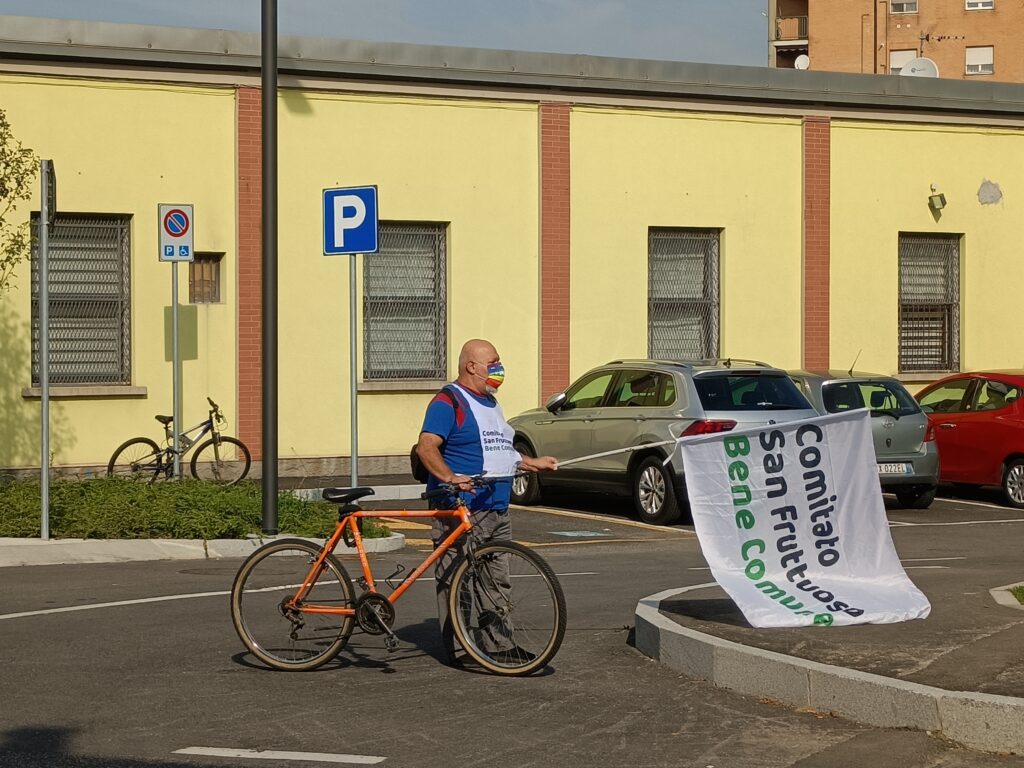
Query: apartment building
{"x": 966, "y": 39}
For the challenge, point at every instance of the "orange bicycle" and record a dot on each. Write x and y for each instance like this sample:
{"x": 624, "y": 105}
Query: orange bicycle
{"x": 294, "y": 605}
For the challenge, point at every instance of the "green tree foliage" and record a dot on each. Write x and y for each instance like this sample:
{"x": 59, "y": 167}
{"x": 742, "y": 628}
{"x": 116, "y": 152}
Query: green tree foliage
{"x": 18, "y": 169}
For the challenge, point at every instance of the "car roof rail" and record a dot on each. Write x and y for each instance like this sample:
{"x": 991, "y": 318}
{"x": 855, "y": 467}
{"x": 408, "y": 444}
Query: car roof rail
{"x": 647, "y": 361}
{"x": 728, "y": 362}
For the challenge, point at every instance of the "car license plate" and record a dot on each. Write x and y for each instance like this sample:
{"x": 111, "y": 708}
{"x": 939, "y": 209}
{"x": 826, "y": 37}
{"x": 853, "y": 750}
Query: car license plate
{"x": 896, "y": 469}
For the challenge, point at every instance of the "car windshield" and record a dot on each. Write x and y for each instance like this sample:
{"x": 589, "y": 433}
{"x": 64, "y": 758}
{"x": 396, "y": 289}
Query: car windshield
{"x": 748, "y": 392}
{"x": 882, "y": 397}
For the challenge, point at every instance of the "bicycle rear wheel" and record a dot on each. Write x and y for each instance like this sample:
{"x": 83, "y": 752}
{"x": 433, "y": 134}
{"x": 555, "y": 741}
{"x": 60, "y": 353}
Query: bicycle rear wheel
{"x": 225, "y": 462}
{"x": 137, "y": 459}
{"x": 507, "y": 609}
{"x": 281, "y": 635}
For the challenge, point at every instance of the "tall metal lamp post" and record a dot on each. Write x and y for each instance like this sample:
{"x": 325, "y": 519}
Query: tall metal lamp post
{"x": 269, "y": 254}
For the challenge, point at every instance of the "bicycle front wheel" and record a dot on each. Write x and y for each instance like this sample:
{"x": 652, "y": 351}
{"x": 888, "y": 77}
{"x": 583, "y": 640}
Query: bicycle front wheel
{"x": 225, "y": 461}
{"x": 272, "y": 624}
{"x": 137, "y": 459}
{"x": 507, "y": 609}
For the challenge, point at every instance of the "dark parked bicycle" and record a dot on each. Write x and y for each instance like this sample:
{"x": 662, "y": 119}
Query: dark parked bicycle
{"x": 220, "y": 459}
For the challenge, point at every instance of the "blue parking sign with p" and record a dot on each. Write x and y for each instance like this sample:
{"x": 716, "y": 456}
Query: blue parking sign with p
{"x": 350, "y": 220}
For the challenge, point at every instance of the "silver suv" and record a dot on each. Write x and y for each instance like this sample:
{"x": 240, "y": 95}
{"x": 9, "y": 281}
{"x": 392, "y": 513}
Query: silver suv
{"x": 905, "y": 447}
{"x": 630, "y": 403}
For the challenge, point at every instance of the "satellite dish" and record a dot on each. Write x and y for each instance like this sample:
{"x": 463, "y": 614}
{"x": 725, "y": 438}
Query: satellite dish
{"x": 920, "y": 67}
{"x": 803, "y": 61}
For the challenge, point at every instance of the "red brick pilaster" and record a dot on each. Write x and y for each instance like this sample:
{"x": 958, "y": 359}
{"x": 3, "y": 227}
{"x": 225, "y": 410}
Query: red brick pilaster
{"x": 250, "y": 429}
{"x": 816, "y": 239}
{"x": 554, "y": 248}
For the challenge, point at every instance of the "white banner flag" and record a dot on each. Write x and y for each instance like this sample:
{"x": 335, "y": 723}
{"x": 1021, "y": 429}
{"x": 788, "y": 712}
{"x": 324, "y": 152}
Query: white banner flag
{"x": 790, "y": 518}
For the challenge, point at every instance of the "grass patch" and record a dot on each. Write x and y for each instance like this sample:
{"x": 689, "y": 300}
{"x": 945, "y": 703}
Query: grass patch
{"x": 114, "y": 508}
{"x": 1018, "y": 592}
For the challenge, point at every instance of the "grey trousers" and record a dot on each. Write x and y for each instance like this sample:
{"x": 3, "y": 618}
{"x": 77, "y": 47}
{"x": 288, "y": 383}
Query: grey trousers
{"x": 488, "y": 525}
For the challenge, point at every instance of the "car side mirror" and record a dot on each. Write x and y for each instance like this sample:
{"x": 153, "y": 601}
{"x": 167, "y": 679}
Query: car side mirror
{"x": 555, "y": 402}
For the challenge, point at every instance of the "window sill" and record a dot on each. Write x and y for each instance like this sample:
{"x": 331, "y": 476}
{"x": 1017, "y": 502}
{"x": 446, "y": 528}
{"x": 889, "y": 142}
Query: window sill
{"x": 918, "y": 376}
{"x": 406, "y": 385}
{"x": 86, "y": 391}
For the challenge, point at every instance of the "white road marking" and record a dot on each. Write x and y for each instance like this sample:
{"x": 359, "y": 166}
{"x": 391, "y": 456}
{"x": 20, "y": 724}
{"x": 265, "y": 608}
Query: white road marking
{"x": 269, "y": 754}
{"x": 926, "y": 567}
{"x": 90, "y": 607}
{"x": 166, "y": 598}
{"x": 603, "y": 519}
{"x": 928, "y": 559}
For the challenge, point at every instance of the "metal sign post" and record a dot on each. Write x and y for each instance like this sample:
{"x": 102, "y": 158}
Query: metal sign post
{"x": 350, "y": 227}
{"x": 47, "y": 210}
{"x": 176, "y": 244}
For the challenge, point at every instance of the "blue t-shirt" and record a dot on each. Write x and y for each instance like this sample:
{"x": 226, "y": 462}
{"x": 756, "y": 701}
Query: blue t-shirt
{"x": 463, "y": 449}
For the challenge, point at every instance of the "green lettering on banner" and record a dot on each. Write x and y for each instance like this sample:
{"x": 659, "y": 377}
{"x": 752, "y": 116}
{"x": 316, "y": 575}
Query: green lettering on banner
{"x": 744, "y": 519}
{"x": 736, "y": 446}
{"x": 738, "y": 471}
{"x": 748, "y": 545}
{"x": 823, "y": 619}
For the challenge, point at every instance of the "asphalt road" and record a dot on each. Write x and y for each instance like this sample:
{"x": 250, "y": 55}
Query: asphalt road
{"x": 133, "y": 685}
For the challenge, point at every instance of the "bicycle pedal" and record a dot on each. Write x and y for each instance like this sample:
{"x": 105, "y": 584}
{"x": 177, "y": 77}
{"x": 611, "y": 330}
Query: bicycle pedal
{"x": 391, "y": 643}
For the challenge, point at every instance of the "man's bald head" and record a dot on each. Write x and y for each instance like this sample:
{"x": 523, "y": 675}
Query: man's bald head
{"x": 476, "y": 350}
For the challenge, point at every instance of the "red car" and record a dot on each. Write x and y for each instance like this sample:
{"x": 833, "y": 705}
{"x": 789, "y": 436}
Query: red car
{"x": 979, "y": 425}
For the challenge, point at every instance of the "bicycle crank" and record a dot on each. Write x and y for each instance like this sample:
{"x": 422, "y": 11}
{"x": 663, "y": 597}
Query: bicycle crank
{"x": 375, "y": 614}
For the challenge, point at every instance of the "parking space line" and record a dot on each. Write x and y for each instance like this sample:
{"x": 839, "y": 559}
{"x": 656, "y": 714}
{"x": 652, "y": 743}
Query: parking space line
{"x": 166, "y": 598}
{"x": 532, "y": 544}
{"x": 973, "y": 503}
{"x": 269, "y": 754}
{"x": 138, "y": 601}
{"x": 604, "y": 519}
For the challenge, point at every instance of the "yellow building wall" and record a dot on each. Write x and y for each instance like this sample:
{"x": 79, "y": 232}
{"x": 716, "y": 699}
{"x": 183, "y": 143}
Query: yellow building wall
{"x": 881, "y": 179}
{"x": 472, "y": 165}
{"x": 124, "y": 148}
{"x": 632, "y": 170}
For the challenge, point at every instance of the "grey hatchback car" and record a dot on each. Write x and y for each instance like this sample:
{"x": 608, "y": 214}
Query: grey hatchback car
{"x": 633, "y": 403}
{"x": 905, "y": 447}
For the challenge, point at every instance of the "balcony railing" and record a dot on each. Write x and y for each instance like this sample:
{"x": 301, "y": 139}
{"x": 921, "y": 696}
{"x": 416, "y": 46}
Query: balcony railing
{"x": 791, "y": 28}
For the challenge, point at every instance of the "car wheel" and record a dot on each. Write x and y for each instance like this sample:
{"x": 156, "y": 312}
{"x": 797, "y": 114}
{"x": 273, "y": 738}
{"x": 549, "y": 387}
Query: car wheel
{"x": 1013, "y": 483}
{"x": 916, "y": 498}
{"x": 653, "y": 493}
{"x": 525, "y": 488}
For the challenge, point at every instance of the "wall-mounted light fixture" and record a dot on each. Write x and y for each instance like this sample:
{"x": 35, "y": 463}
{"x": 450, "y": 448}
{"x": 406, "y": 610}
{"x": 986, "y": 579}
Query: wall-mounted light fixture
{"x": 936, "y": 200}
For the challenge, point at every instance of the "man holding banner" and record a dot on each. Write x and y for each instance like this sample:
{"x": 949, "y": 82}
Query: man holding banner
{"x": 791, "y": 521}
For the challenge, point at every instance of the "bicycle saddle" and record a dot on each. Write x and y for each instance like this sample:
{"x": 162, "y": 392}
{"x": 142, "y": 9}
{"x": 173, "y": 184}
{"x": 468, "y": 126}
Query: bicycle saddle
{"x": 165, "y": 420}
{"x": 345, "y": 495}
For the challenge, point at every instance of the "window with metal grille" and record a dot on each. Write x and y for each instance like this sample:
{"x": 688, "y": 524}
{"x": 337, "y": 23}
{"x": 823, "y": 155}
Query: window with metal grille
{"x": 980, "y": 5}
{"x": 682, "y": 294}
{"x": 90, "y": 299}
{"x": 204, "y": 278}
{"x": 979, "y": 60}
{"x": 929, "y": 302}
{"x": 905, "y": 7}
{"x": 405, "y": 304}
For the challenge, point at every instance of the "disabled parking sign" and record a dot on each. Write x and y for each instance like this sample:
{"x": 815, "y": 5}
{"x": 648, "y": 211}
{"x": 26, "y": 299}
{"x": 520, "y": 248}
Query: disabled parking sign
{"x": 350, "y": 220}
{"x": 176, "y": 232}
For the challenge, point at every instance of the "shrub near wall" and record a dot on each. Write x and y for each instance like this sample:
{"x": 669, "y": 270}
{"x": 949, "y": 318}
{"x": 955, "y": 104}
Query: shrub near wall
{"x": 113, "y": 508}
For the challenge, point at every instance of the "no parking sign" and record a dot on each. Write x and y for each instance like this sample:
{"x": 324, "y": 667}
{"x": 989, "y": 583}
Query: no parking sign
{"x": 176, "y": 230}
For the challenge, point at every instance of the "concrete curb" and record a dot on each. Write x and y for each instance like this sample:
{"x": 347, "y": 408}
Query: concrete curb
{"x": 1005, "y": 597}
{"x": 72, "y": 551}
{"x": 977, "y": 720}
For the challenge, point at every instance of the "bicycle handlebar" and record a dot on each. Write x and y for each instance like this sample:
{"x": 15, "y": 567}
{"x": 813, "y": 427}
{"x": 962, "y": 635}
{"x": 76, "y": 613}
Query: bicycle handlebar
{"x": 451, "y": 489}
{"x": 215, "y": 409}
